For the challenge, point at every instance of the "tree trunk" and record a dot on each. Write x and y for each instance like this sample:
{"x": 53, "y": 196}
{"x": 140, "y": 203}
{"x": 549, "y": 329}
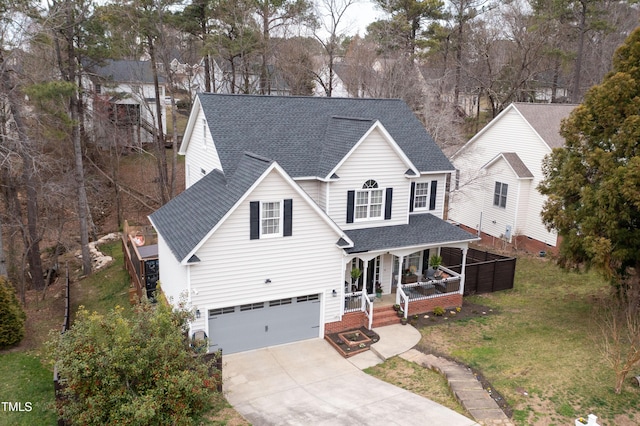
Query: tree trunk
{"x": 31, "y": 237}
{"x": 74, "y": 105}
{"x": 575, "y": 90}
{"x": 265, "y": 47}
{"x": 162, "y": 155}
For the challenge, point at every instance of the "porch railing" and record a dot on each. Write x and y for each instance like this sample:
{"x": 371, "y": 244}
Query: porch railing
{"x": 358, "y": 301}
{"x": 353, "y": 302}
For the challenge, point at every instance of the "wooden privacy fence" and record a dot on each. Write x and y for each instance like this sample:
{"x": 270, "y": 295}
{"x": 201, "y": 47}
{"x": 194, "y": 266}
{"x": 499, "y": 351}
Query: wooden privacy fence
{"x": 484, "y": 272}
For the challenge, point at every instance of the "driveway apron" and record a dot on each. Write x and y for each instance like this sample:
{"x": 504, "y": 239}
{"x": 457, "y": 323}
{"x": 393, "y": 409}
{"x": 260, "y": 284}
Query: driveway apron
{"x": 309, "y": 383}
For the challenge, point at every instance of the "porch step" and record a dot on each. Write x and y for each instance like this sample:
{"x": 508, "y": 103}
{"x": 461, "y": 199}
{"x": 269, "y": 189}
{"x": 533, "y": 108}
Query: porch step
{"x": 385, "y": 316}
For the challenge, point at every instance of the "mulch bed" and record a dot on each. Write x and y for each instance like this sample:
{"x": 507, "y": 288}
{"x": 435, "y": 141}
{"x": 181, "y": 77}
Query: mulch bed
{"x": 352, "y": 342}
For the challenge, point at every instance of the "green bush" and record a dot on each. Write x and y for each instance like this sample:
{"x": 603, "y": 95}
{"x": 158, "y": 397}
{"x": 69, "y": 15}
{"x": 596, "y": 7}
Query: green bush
{"x": 138, "y": 369}
{"x": 438, "y": 311}
{"x": 12, "y": 316}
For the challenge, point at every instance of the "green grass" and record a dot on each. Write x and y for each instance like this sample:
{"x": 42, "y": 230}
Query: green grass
{"x": 541, "y": 351}
{"x": 26, "y": 380}
{"x": 418, "y": 380}
{"x": 104, "y": 289}
{"x": 27, "y": 376}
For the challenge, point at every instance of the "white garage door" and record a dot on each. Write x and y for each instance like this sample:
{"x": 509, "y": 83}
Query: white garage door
{"x": 257, "y": 325}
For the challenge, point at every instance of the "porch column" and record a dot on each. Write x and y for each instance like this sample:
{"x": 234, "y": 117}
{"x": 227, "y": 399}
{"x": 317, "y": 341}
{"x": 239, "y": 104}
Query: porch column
{"x": 463, "y": 275}
{"x": 365, "y": 270}
{"x": 399, "y": 278}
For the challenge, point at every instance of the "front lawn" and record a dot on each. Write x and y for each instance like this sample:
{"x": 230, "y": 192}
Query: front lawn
{"x": 541, "y": 350}
{"x": 30, "y": 384}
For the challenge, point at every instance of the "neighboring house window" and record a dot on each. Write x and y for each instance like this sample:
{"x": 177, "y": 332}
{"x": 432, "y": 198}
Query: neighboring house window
{"x": 423, "y": 195}
{"x": 369, "y": 201}
{"x": 500, "y": 195}
{"x": 204, "y": 133}
{"x": 270, "y": 219}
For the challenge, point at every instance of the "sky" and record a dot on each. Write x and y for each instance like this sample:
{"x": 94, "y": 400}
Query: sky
{"x": 359, "y": 15}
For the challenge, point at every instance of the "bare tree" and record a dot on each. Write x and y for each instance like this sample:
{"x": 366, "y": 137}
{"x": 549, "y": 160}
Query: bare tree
{"x": 329, "y": 32}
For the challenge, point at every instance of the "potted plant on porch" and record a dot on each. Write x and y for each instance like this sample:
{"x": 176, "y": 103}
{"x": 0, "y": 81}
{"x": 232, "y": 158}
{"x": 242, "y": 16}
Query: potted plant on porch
{"x": 356, "y": 273}
{"x": 434, "y": 263}
{"x": 378, "y": 290}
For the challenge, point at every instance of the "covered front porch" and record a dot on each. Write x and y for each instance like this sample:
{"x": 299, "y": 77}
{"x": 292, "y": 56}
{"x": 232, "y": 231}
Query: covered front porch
{"x": 402, "y": 265}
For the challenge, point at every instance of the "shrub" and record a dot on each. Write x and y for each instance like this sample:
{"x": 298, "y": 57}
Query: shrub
{"x": 438, "y": 311}
{"x": 132, "y": 369}
{"x": 12, "y": 317}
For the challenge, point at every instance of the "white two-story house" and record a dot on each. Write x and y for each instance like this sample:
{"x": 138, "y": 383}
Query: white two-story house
{"x": 121, "y": 94}
{"x": 284, "y": 197}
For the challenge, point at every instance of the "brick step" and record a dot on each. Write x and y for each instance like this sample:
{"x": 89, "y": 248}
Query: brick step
{"x": 385, "y": 316}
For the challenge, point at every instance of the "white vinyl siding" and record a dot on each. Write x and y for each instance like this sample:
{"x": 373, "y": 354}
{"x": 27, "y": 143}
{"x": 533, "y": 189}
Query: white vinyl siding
{"x": 198, "y": 157}
{"x": 426, "y": 180}
{"x": 509, "y": 133}
{"x": 497, "y": 218}
{"x": 234, "y": 269}
{"x": 173, "y": 276}
{"x": 311, "y": 187}
{"x": 373, "y": 159}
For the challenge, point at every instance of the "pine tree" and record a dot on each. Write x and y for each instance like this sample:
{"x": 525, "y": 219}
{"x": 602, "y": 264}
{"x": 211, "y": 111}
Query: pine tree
{"x": 12, "y": 317}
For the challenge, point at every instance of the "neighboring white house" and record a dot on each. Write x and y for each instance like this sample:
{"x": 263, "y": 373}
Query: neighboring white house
{"x": 123, "y": 93}
{"x": 499, "y": 170}
{"x": 284, "y": 197}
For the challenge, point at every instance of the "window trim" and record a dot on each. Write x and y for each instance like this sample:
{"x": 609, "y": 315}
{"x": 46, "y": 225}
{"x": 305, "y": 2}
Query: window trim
{"x": 368, "y": 188}
{"x": 426, "y": 195}
{"x": 500, "y": 194}
{"x": 280, "y": 219}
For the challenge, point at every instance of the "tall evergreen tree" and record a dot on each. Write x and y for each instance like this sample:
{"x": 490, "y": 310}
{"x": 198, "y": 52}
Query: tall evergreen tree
{"x": 593, "y": 183}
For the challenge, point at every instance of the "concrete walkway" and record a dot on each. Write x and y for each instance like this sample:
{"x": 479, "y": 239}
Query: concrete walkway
{"x": 465, "y": 386}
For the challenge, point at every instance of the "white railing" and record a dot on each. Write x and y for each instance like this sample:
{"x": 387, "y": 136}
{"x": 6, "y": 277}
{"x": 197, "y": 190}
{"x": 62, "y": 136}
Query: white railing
{"x": 367, "y": 308}
{"x": 353, "y": 302}
{"x": 402, "y": 299}
{"x": 358, "y": 301}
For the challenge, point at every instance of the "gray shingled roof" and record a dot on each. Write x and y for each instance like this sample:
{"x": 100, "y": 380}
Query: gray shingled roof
{"x": 516, "y": 163}
{"x": 123, "y": 71}
{"x": 307, "y": 135}
{"x": 546, "y": 120}
{"x": 423, "y": 229}
{"x": 185, "y": 220}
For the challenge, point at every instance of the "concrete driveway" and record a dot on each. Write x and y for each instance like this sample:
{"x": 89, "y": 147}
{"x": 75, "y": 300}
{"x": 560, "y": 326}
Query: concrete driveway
{"x": 309, "y": 383}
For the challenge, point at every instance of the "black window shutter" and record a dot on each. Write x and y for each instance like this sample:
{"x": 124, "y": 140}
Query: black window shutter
{"x": 387, "y": 203}
{"x": 351, "y": 199}
{"x": 287, "y": 230}
{"x": 413, "y": 194}
{"x": 254, "y": 220}
{"x": 434, "y": 191}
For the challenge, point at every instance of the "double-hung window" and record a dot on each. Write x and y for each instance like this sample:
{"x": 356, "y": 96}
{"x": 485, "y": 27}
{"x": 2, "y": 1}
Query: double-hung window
{"x": 368, "y": 203}
{"x": 421, "y": 195}
{"x": 500, "y": 195}
{"x": 271, "y": 219}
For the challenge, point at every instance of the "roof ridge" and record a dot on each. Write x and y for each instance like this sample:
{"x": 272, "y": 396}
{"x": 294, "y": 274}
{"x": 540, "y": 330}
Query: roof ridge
{"x": 257, "y": 156}
{"x": 340, "y": 117}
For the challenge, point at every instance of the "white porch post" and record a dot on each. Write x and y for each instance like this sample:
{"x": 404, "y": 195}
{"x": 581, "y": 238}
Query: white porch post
{"x": 365, "y": 269}
{"x": 462, "y": 270}
{"x": 399, "y": 278}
